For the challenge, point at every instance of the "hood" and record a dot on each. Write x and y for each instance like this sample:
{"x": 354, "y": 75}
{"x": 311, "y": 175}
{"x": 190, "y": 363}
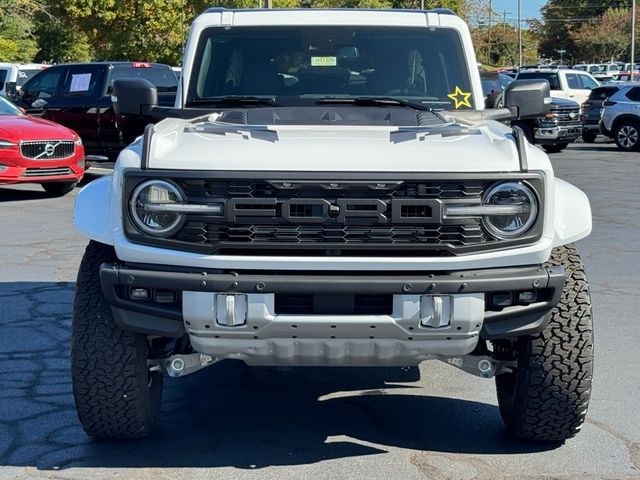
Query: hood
{"x": 208, "y": 144}
{"x": 563, "y": 103}
{"x": 25, "y": 127}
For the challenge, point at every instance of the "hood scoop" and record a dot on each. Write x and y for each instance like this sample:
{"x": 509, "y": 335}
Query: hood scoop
{"x": 334, "y": 115}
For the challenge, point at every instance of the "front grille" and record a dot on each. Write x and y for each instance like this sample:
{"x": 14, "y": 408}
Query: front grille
{"x": 47, "y": 149}
{"x": 567, "y": 115}
{"x": 47, "y": 172}
{"x": 351, "y": 216}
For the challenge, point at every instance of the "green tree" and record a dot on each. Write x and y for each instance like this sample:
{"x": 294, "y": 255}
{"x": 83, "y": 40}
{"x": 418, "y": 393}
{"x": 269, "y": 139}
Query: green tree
{"x": 606, "y": 37}
{"x": 17, "y": 43}
{"x": 564, "y": 17}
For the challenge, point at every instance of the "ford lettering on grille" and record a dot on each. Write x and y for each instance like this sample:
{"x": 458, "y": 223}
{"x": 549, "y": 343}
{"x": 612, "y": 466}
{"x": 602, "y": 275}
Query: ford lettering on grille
{"x": 343, "y": 211}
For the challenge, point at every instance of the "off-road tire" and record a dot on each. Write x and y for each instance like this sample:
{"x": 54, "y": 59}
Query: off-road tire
{"x": 116, "y": 397}
{"x": 555, "y": 148}
{"x": 59, "y": 189}
{"x": 589, "y": 137}
{"x": 547, "y": 395}
{"x": 627, "y": 135}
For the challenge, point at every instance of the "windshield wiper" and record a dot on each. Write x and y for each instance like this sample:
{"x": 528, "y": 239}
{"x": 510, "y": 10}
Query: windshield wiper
{"x": 234, "y": 100}
{"x": 375, "y": 101}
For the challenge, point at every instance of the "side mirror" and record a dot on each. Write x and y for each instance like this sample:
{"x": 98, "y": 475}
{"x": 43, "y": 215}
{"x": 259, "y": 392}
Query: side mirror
{"x": 12, "y": 91}
{"x": 133, "y": 96}
{"x": 528, "y": 98}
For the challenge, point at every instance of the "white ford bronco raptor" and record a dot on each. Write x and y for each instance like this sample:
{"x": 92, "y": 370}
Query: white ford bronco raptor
{"x": 329, "y": 191}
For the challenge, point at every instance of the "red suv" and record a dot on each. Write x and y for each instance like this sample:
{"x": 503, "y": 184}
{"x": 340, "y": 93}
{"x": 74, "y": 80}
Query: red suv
{"x": 34, "y": 150}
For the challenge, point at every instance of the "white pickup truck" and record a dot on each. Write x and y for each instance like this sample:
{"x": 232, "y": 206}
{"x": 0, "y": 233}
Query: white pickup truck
{"x": 573, "y": 85}
{"x": 328, "y": 190}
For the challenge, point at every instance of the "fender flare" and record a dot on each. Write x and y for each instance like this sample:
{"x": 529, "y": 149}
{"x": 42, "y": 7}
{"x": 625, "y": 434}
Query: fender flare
{"x": 92, "y": 211}
{"x": 572, "y": 219}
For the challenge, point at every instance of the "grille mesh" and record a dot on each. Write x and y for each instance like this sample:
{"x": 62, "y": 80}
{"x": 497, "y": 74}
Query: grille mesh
{"x": 47, "y": 172}
{"x": 47, "y": 149}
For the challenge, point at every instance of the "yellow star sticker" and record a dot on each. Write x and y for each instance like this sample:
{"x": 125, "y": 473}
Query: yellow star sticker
{"x": 461, "y": 98}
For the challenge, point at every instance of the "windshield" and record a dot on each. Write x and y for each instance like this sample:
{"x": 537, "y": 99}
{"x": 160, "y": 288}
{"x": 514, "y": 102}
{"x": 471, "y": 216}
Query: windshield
{"x": 8, "y": 108}
{"x": 24, "y": 75}
{"x": 160, "y": 75}
{"x": 552, "y": 78}
{"x": 300, "y": 65}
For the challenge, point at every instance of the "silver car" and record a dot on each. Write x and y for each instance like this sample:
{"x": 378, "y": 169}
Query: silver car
{"x": 621, "y": 116}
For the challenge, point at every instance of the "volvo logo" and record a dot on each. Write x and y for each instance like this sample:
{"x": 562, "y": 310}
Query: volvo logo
{"x": 49, "y": 149}
{"x": 346, "y": 211}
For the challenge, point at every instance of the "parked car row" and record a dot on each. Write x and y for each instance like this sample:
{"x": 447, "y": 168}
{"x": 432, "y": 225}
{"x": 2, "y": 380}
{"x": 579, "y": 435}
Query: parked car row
{"x": 60, "y": 111}
{"x": 78, "y": 96}
{"x": 35, "y": 150}
{"x": 613, "y": 111}
{"x": 580, "y": 107}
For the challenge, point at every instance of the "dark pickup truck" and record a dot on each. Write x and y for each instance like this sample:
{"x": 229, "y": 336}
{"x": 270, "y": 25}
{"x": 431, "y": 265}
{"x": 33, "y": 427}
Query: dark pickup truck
{"x": 78, "y": 96}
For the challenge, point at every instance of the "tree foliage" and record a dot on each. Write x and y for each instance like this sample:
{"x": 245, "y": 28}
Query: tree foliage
{"x": 17, "y": 42}
{"x": 562, "y": 18}
{"x": 607, "y": 37}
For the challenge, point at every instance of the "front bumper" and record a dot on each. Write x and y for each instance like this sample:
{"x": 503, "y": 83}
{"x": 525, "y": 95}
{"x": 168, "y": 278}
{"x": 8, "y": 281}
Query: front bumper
{"x": 16, "y": 169}
{"x": 557, "y": 134}
{"x": 268, "y": 337}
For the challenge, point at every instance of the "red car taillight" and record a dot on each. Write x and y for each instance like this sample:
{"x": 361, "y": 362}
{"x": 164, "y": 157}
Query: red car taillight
{"x": 608, "y": 103}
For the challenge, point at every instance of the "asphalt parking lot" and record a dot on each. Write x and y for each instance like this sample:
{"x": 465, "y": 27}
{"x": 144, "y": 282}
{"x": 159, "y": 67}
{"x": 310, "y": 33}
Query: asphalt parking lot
{"x": 230, "y": 422}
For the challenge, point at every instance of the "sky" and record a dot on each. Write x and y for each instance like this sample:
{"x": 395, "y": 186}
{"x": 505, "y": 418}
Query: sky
{"x": 530, "y": 8}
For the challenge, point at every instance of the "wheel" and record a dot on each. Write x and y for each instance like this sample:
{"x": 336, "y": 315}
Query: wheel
{"x": 546, "y": 396}
{"x": 627, "y": 135}
{"x": 499, "y": 101}
{"x": 589, "y": 137}
{"x": 555, "y": 148}
{"x": 115, "y": 394}
{"x": 59, "y": 188}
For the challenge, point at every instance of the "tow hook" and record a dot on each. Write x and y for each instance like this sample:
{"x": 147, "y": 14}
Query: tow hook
{"x": 481, "y": 365}
{"x": 182, "y": 364}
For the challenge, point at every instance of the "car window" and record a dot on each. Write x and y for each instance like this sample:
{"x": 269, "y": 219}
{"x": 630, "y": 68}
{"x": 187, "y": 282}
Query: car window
{"x": 160, "y": 75}
{"x": 552, "y": 78}
{"x": 594, "y": 69}
{"x": 299, "y": 64}
{"x": 602, "y": 93}
{"x": 43, "y": 85}
{"x": 490, "y": 85}
{"x": 25, "y": 74}
{"x": 573, "y": 81}
{"x": 634, "y": 94}
{"x": 82, "y": 81}
{"x": 3, "y": 77}
{"x": 588, "y": 82}
{"x": 8, "y": 108}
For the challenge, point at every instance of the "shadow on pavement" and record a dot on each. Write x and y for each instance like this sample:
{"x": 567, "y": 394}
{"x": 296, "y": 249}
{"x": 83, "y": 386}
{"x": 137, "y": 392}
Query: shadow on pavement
{"x": 226, "y": 415}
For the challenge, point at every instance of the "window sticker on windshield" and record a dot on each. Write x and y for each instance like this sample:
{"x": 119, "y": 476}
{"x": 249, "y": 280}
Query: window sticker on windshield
{"x": 460, "y": 98}
{"x": 324, "y": 61}
{"x": 80, "y": 82}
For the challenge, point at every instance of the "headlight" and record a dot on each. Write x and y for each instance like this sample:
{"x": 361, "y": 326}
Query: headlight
{"x": 160, "y": 222}
{"x": 523, "y": 203}
{"x": 78, "y": 142}
{"x": 6, "y": 144}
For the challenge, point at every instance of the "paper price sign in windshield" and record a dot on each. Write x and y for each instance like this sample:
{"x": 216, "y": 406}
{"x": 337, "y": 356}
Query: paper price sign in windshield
{"x": 324, "y": 61}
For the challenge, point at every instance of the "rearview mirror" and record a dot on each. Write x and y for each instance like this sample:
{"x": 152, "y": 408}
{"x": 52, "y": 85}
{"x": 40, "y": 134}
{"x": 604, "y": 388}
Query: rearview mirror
{"x": 133, "y": 96}
{"x": 528, "y": 98}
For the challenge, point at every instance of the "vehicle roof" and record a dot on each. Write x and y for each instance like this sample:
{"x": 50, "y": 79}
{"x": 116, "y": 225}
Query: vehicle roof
{"x": 118, "y": 62}
{"x": 553, "y": 70}
{"x": 440, "y": 11}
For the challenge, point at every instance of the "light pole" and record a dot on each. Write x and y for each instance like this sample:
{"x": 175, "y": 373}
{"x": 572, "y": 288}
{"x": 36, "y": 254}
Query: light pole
{"x": 520, "y": 35}
{"x": 633, "y": 38}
